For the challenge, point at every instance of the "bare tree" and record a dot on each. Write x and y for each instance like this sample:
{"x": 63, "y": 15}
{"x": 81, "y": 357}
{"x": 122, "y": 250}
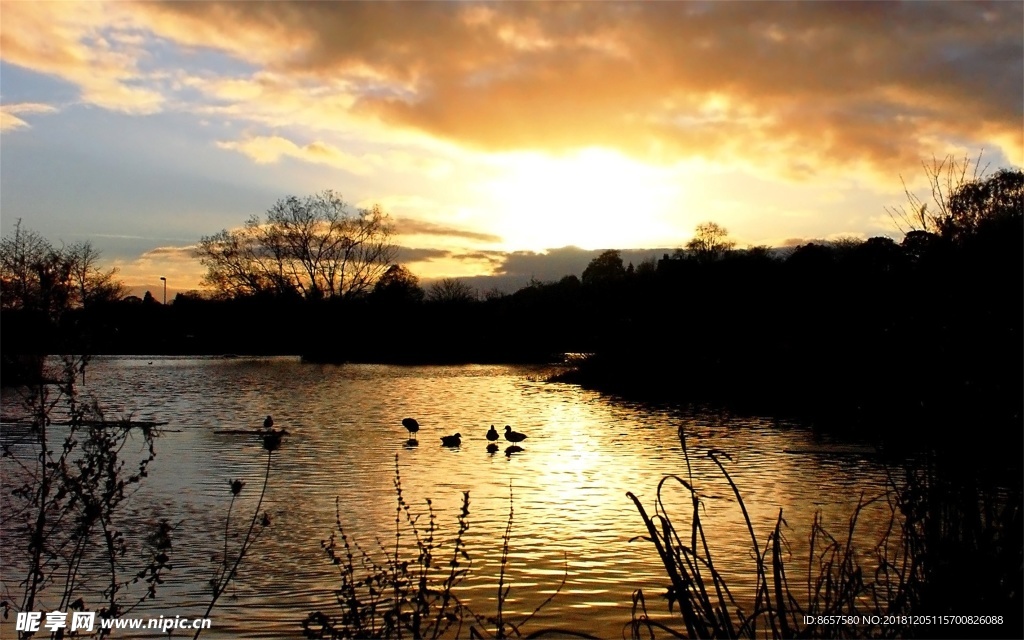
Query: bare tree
{"x": 316, "y": 247}
{"x": 494, "y": 293}
{"x": 236, "y": 264}
{"x": 945, "y": 178}
{"x": 91, "y": 283}
{"x": 450, "y": 290}
{"x": 710, "y": 241}
{"x": 36, "y": 276}
{"x": 26, "y": 263}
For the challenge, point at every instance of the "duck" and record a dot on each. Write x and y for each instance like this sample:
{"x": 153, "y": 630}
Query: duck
{"x": 492, "y": 435}
{"x": 411, "y": 425}
{"x": 268, "y": 423}
{"x": 513, "y": 436}
{"x": 451, "y": 441}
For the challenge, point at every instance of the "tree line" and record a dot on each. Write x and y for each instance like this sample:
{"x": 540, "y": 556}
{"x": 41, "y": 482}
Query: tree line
{"x": 851, "y": 326}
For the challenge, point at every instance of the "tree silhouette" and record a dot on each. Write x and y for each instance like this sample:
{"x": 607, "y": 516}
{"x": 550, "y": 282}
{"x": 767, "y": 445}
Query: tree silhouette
{"x": 451, "y": 291}
{"x": 398, "y": 285}
{"x": 36, "y": 276}
{"x": 918, "y": 245}
{"x": 45, "y": 292}
{"x": 710, "y": 242}
{"x": 314, "y": 247}
{"x": 984, "y": 205}
{"x": 604, "y": 269}
{"x": 945, "y": 177}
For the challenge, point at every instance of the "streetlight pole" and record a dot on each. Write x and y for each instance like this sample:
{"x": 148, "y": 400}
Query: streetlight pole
{"x": 165, "y": 289}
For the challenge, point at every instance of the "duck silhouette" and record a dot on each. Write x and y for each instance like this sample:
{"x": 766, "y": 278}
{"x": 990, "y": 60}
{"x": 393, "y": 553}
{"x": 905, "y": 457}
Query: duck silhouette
{"x": 268, "y": 423}
{"x": 513, "y": 436}
{"x": 411, "y": 425}
{"x": 492, "y": 435}
{"x": 451, "y": 441}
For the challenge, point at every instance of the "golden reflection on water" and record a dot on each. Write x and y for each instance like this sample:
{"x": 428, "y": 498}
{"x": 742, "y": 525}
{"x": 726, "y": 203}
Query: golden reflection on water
{"x": 567, "y": 485}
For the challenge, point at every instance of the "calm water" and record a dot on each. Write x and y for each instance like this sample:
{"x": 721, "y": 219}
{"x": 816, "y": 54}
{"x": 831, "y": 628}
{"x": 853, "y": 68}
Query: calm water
{"x": 572, "y": 518}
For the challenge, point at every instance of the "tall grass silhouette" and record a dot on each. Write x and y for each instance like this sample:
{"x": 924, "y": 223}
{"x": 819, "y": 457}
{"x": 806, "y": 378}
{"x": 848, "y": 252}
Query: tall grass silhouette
{"x": 411, "y": 589}
{"x": 396, "y": 596}
{"x": 904, "y": 591}
{"x": 228, "y": 569}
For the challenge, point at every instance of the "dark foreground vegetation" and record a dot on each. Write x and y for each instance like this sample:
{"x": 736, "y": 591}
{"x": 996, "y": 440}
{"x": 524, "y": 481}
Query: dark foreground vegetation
{"x": 70, "y": 543}
{"x": 951, "y": 546}
{"x": 411, "y": 588}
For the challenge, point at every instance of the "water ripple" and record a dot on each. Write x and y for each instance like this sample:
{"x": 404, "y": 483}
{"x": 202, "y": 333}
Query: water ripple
{"x": 572, "y": 519}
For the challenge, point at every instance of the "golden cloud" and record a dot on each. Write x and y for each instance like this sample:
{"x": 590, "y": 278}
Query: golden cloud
{"x": 9, "y": 118}
{"x": 68, "y": 41}
{"x": 270, "y": 149}
{"x": 176, "y": 263}
{"x": 798, "y": 86}
{"x": 408, "y": 227}
{"x": 793, "y": 89}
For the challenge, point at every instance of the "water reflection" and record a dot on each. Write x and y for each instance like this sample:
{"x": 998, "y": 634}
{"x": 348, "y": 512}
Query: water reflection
{"x": 572, "y": 516}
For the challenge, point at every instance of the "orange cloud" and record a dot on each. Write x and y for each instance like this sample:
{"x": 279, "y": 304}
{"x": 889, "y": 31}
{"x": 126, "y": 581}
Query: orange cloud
{"x": 795, "y": 87}
{"x": 791, "y": 89}
{"x": 270, "y": 149}
{"x": 176, "y": 263}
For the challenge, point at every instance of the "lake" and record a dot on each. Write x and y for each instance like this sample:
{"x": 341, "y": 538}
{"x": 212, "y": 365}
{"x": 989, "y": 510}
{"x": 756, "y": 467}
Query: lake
{"x": 572, "y": 517}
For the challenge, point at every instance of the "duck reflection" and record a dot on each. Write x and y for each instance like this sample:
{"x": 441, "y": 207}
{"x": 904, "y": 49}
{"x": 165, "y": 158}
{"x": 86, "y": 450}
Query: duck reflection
{"x": 513, "y": 449}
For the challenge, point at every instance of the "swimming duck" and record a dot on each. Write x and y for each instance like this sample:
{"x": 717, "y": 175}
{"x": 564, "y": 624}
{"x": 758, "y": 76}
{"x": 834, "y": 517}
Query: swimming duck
{"x": 411, "y": 425}
{"x": 268, "y": 423}
{"x": 513, "y": 436}
{"x": 451, "y": 441}
{"x": 492, "y": 435}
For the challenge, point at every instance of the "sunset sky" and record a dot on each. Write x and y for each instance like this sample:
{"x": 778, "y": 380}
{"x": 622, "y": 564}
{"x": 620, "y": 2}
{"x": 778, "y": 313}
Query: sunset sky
{"x": 498, "y": 136}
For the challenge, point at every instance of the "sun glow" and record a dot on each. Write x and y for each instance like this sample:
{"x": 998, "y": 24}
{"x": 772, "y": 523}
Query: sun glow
{"x": 593, "y": 199}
